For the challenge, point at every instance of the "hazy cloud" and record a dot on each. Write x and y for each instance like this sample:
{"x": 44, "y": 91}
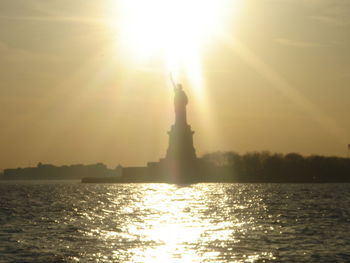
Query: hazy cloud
{"x": 299, "y": 44}
{"x": 335, "y": 21}
{"x": 317, "y": 3}
{"x": 16, "y": 55}
{"x": 83, "y": 20}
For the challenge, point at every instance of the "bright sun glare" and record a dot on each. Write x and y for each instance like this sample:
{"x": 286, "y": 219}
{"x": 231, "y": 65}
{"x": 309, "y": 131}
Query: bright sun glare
{"x": 175, "y": 30}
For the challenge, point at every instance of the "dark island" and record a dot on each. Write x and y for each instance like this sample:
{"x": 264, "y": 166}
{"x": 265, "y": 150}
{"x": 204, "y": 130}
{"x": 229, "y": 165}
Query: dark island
{"x": 230, "y": 167}
{"x": 182, "y": 166}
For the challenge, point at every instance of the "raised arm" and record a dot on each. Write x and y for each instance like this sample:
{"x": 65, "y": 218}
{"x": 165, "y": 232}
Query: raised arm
{"x": 172, "y": 81}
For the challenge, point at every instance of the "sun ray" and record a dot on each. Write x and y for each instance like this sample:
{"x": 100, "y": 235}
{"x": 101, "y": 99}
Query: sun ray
{"x": 282, "y": 85}
{"x": 178, "y": 31}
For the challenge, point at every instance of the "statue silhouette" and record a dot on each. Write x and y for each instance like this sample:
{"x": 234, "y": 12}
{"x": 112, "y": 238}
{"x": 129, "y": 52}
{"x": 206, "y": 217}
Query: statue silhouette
{"x": 181, "y": 154}
{"x": 180, "y": 103}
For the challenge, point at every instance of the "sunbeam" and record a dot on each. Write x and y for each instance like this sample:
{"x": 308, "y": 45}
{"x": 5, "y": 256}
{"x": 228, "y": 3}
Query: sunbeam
{"x": 176, "y": 31}
{"x": 282, "y": 85}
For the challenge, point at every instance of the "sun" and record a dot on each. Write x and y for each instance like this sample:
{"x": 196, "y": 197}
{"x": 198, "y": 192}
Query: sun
{"x": 175, "y": 30}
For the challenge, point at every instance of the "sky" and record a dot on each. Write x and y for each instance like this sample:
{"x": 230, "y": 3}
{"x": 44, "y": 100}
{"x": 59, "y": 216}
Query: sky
{"x": 87, "y": 81}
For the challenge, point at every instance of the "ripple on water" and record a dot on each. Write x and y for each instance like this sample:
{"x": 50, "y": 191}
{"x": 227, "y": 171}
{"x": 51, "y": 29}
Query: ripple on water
{"x": 71, "y": 222}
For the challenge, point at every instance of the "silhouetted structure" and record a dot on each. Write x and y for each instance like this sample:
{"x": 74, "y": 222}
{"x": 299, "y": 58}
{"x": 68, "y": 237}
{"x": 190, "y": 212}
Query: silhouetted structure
{"x": 180, "y": 164}
{"x": 180, "y": 136}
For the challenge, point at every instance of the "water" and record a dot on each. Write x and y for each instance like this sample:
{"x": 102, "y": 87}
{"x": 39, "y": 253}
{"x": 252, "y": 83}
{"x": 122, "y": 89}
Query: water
{"x": 73, "y": 222}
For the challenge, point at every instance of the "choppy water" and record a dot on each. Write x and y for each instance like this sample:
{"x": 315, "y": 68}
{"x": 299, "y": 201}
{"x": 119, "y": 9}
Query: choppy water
{"x": 73, "y": 222}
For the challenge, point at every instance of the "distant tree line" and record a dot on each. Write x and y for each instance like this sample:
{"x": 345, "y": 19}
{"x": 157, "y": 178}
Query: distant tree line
{"x": 275, "y": 167}
{"x": 214, "y": 167}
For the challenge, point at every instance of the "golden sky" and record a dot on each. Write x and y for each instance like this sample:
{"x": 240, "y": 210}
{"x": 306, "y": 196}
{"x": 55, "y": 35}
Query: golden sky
{"x": 86, "y": 81}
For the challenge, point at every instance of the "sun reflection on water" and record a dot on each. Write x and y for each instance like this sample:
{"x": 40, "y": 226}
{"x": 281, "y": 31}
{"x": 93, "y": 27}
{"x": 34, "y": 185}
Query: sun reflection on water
{"x": 169, "y": 223}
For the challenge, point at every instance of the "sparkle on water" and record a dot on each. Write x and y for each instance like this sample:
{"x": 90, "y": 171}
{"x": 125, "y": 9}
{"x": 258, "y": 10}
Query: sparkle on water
{"x": 167, "y": 223}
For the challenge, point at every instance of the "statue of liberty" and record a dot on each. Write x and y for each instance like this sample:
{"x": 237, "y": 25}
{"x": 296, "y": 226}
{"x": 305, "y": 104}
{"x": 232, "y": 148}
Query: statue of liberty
{"x": 180, "y": 103}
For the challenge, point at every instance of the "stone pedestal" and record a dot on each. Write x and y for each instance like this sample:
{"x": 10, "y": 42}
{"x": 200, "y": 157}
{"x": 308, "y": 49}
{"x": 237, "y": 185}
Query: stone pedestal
{"x": 180, "y": 147}
{"x": 180, "y": 162}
